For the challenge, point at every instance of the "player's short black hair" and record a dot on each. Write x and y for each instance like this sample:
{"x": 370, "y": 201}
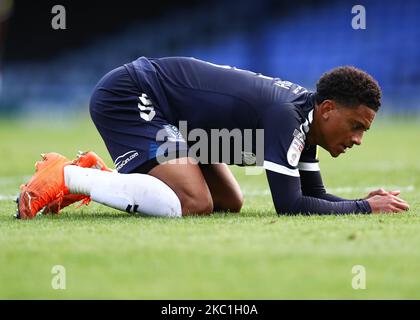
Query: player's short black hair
{"x": 350, "y": 87}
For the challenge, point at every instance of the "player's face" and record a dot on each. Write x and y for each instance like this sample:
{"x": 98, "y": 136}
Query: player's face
{"x": 345, "y": 127}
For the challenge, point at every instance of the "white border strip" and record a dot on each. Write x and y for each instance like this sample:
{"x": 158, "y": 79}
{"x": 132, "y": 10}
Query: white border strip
{"x": 280, "y": 169}
{"x": 308, "y": 166}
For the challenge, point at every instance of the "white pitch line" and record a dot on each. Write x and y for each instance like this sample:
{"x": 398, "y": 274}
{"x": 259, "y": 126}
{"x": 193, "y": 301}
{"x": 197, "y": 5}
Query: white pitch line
{"x": 4, "y": 197}
{"x": 246, "y": 191}
{"x": 265, "y": 192}
{"x": 13, "y": 179}
{"x": 10, "y": 181}
{"x": 338, "y": 190}
{"x": 369, "y": 189}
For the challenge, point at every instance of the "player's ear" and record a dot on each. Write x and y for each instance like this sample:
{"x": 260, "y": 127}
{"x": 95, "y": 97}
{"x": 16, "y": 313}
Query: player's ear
{"x": 325, "y": 108}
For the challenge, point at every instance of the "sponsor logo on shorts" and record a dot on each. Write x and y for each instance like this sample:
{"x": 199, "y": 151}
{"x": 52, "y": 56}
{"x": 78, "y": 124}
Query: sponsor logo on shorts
{"x": 122, "y": 160}
{"x": 173, "y": 133}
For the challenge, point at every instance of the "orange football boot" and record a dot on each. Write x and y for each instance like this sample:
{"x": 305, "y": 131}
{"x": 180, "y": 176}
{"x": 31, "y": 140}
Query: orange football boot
{"x": 45, "y": 186}
{"x": 86, "y": 160}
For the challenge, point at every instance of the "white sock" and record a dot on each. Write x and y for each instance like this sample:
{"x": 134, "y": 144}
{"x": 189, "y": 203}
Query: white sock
{"x": 132, "y": 192}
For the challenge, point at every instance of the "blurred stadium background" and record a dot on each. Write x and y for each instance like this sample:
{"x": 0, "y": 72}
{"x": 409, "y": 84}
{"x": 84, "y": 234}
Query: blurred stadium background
{"x": 47, "y": 77}
{"x": 46, "y": 71}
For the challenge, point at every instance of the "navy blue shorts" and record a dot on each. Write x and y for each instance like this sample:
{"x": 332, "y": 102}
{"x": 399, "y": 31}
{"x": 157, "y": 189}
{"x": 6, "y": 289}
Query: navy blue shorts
{"x": 129, "y": 121}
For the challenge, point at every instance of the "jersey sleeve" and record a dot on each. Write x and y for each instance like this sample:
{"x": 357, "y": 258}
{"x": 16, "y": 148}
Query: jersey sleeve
{"x": 310, "y": 176}
{"x": 288, "y": 199}
{"x": 308, "y": 161}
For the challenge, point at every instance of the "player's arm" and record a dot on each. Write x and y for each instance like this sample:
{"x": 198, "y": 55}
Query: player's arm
{"x": 282, "y": 147}
{"x": 310, "y": 176}
{"x": 286, "y": 191}
{"x": 312, "y": 186}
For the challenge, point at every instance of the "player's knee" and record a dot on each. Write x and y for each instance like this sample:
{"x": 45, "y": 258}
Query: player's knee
{"x": 199, "y": 204}
{"x": 237, "y": 202}
{"x": 231, "y": 203}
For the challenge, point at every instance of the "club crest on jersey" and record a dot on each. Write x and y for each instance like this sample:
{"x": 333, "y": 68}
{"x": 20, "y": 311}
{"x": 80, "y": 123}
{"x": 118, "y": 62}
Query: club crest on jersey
{"x": 296, "y": 148}
{"x": 249, "y": 158}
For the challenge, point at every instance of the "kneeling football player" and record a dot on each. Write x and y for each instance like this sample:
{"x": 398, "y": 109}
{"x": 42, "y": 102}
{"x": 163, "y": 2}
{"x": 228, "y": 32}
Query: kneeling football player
{"x": 134, "y": 104}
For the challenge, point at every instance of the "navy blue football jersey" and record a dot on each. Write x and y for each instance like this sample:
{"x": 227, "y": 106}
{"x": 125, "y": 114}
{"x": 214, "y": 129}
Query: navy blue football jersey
{"x": 210, "y": 96}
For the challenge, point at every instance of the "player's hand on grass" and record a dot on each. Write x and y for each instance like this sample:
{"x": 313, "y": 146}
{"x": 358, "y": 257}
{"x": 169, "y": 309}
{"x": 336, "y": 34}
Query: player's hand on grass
{"x": 382, "y": 192}
{"x": 387, "y": 203}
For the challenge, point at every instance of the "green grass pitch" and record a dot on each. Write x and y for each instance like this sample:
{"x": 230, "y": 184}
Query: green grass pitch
{"x": 252, "y": 255}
